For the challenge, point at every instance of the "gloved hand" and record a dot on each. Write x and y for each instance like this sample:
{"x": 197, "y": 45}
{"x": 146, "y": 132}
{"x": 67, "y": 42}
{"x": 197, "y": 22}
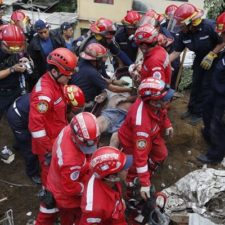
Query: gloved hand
{"x": 169, "y": 132}
{"x": 145, "y": 192}
{"x": 208, "y": 60}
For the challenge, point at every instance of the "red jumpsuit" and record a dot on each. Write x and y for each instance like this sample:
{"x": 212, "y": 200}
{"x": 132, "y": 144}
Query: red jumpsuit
{"x": 101, "y": 204}
{"x": 68, "y": 170}
{"x": 47, "y": 117}
{"x": 156, "y": 64}
{"x": 140, "y": 135}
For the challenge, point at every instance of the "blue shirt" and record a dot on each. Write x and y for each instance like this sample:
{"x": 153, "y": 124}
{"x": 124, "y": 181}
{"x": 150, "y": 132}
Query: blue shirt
{"x": 46, "y": 46}
{"x": 89, "y": 80}
{"x": 126, "y": 45}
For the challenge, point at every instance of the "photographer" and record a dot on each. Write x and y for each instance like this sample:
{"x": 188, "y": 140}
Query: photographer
{"x": 12, "y": 47}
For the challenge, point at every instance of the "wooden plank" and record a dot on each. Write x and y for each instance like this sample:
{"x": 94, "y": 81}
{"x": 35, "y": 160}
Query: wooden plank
{"x": 180, "y": 218}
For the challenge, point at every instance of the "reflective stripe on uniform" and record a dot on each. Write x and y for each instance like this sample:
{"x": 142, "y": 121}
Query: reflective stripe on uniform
{"x": 142, "y": 169}
{"x": 94, "y": 220}
{"x": 59, "y": 150}
{"x": 167, "y": 61}
{"x": 139, "y": 114}
{"x": 48, "y": 211}
{"x": 38, "y": 134}
{"x": 90, "y": 190}
{"x": 58, "y": 101}
{"x": 38, "y": 85}
{"x": 16, "y": 110}
{"x": 46, "y": 98}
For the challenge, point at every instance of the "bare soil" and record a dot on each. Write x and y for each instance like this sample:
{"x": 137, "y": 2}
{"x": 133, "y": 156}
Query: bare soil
{"x": 21, "y": 194}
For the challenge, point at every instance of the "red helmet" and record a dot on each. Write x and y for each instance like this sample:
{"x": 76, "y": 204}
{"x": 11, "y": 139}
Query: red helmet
{"x": 85, "y": 132}
{"x": 150, "y": 17}
{"x": 17, "y": 16}
{"x": 108, "y": 160}
{"x": 13, "y": 38}
{"x": 146, "y": 34}
{"x": 170, "y": 10}
{"x": 151, "y": 13}
{"x": 64, "y": 60}
{"x": 94, "y": 51}
{"x": 164, "y": 41}
{"x": 186, "y": 13}
{"x": 131, "y": 19}
{"x": 104, "y": 27}
{"x": 152, "y": 89}
{"x": 220, "y": 23}
{"x": 74, "y": 96}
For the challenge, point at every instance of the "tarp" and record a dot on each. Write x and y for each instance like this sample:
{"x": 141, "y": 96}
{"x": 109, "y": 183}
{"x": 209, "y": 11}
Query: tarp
{"x": 201, "y": 191}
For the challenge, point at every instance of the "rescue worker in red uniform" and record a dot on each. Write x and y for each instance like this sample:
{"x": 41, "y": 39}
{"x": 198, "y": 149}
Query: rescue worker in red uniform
{"x": 75, "y": 99}
{"x": 102, "y": 201}
{"x": 156, "y": 60}
{"x": 141, "y": 132}
{"x": 70, "y": 165}
{"x": 47, "y": 114}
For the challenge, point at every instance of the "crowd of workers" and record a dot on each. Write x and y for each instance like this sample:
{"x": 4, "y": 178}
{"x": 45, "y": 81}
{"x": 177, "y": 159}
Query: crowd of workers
{"x": 51, "y": 84}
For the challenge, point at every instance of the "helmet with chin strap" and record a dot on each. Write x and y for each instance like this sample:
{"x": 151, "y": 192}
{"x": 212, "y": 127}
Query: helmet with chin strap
{"x": 152, "y": 89}
{"x": 85, "y": 132}
{"x": 64, "y": 59}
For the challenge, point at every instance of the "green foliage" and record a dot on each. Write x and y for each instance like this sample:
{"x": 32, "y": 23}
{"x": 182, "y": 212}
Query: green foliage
{"x": 186, "y": 79}
{"x": 214, "y": 7}
{"x": 65, "y": 6}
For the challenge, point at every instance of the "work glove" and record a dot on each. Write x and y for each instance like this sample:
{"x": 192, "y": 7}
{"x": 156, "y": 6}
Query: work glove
{"x": 169, "y": 132}
{"x": 145, "y": 192}
{"x": 208, "y": 60}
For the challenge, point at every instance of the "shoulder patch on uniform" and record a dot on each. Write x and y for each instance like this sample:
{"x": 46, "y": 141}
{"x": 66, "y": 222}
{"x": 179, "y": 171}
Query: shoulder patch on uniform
{"x": 142, "y": 134}
{"x": 156, "y": 68}
{"x": 42, "y": 106}
{"x": 157, "y": 75}
{"x": 74, "y": 175}
{"x": 141, "y": 144}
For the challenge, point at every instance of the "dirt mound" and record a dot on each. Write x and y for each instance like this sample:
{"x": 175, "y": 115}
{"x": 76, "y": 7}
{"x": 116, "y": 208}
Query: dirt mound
{"x": 186, "y": 144}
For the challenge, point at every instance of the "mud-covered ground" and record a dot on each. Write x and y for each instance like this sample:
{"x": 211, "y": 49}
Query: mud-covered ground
{"x": 21, "y": 193}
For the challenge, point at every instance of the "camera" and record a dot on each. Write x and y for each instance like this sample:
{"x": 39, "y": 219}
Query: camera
{"x": 28, "y": 67}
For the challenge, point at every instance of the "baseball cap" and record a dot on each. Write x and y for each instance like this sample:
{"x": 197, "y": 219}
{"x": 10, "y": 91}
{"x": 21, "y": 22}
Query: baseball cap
{"x": 65, "y": 26}
{"x": 40, "y": 24}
